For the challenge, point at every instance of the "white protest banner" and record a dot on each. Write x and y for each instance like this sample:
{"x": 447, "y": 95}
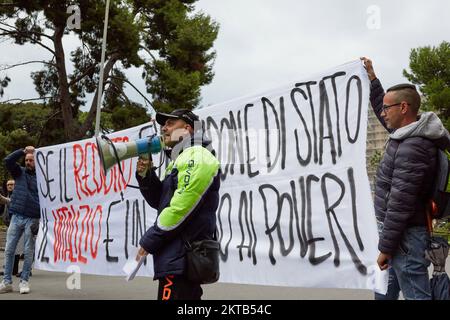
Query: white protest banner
{"x": 87, "y": 219}
{"x": 295, "y": 204}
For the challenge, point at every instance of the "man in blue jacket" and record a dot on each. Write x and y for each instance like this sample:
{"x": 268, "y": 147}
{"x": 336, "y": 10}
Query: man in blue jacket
{"x": 186, "y": 200}
{"x": 403, "y": 184}
{"x": 24, "y": 212}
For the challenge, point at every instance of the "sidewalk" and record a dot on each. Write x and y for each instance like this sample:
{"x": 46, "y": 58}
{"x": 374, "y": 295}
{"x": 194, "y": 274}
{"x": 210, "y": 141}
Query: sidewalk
{"x": 52, "y": 285}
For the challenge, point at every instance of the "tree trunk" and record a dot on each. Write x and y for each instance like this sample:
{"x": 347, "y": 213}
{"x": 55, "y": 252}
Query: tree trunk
{"x": 64, "y": 94}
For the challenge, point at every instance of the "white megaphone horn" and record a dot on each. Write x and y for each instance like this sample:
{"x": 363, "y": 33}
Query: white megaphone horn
{"x": 112, "y": 153}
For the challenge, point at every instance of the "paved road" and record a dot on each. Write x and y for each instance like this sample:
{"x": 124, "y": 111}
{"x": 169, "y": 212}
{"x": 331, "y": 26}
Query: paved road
{"x": 52, "y": 285}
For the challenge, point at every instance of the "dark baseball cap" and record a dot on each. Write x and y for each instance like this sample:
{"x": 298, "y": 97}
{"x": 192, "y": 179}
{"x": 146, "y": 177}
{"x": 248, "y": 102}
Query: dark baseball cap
{"x": 184, "y": 114}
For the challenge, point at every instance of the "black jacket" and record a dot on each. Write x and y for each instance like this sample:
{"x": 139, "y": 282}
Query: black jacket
{"x": 405, "y": 174}
{"x": 186, "y": 200}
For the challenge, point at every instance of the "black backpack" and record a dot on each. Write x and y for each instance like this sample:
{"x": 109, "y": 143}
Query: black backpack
{"x": 440, "y": 196}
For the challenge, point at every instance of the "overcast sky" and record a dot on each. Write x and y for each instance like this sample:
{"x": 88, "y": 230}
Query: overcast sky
{"x": 263, "y": 44}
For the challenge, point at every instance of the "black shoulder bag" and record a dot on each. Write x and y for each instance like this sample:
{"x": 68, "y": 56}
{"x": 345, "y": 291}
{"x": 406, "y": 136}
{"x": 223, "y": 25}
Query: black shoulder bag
{"x": 202, "y": 260}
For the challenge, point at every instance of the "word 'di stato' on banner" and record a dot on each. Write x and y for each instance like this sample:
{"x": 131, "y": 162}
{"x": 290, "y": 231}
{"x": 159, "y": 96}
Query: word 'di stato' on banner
{"x": 295, "y": 203}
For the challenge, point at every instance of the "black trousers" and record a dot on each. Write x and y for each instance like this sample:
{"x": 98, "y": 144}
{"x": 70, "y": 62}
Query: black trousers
{"x": 177, "y": 287}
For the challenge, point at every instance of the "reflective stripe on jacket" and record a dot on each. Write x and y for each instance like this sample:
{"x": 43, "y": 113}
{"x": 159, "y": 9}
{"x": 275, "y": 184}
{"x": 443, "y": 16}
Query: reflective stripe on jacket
{"x": 186, "y": 200}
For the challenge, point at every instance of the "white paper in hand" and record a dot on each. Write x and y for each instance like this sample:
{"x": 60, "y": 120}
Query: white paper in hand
{"x": 377, "y": 280}
{"x": 132, "y": 266}
{"x": 382, "y": 279}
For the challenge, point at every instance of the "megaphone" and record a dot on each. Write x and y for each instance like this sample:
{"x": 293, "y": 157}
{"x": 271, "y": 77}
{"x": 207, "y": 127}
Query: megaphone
{"x": 112, "y": 153}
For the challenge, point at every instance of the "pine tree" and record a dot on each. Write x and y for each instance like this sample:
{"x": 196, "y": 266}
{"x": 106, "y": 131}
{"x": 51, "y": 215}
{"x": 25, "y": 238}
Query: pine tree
{"x": 164, "y": 38}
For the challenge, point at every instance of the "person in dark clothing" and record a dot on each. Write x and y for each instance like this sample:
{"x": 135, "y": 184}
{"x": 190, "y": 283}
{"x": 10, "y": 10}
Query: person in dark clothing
{"x": 5, "y": 200}
{"x": 25, "y": 212}
{"x": 403, "y": 184}
{"x": 186, "y": 200}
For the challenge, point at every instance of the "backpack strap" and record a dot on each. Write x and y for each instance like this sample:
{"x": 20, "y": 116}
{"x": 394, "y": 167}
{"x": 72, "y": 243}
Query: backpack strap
{"x": 187, "y": 243}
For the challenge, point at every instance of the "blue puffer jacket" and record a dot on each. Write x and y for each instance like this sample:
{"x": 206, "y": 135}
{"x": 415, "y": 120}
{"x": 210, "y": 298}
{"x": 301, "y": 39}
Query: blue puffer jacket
{"x": 186, "y": 200}
{"x": 406, "y": 173}
{"x": 25, "y": 198}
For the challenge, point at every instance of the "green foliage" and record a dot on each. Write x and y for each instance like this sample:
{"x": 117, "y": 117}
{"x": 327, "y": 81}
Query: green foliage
{"x": 128, "y": 116}
{"x": 174, "y": 88}
{"x": 442, "y": 229}
{"x": 430, "y": 69}
{"x": 39, "y": 125}
{"x": 121, "y": 117}
{"x": 25, "y": 124}
{"x": 183, "y": 46}
{"x": 29, "y": 118}
{"x": 164, "y": 38}
{"x": 375, "y": 159}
